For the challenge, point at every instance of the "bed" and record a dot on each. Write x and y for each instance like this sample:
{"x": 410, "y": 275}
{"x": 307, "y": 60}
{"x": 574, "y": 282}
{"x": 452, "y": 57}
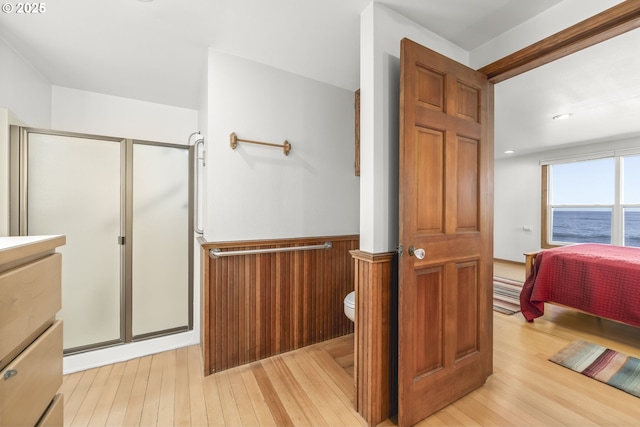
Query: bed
{"x": 602, "y": 280}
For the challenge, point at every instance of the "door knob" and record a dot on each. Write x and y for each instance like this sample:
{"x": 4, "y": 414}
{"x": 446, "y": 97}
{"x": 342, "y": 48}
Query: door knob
{"x": 418, "y": 253}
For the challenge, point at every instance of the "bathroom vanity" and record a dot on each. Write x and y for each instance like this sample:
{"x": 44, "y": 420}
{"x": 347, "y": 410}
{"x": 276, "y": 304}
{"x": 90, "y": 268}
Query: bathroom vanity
{"x": 30, "y": 335}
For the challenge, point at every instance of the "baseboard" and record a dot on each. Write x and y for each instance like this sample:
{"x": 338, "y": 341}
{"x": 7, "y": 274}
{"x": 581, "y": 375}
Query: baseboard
{"x": 120, "y": 353}
{"x": 508, "y": 261}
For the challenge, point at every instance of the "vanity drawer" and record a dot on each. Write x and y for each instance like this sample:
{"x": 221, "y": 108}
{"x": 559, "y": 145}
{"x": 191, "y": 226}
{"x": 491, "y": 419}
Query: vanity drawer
{"x": 30, "y": 381}
{"x": 30, "y": 297}
{"x": 54, "y": 415}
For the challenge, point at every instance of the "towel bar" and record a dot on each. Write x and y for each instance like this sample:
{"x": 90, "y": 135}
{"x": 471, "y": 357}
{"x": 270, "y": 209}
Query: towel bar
{"x": 217, "y": 253}
{"x": 286, "y": 147}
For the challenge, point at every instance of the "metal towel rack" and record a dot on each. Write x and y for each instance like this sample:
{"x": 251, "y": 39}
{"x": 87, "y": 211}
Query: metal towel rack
{"x": 217, "y": 253}
{"x": 286, "y": 147}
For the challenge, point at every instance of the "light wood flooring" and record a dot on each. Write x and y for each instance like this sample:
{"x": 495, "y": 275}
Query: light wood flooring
{"x": 313, "y": 386}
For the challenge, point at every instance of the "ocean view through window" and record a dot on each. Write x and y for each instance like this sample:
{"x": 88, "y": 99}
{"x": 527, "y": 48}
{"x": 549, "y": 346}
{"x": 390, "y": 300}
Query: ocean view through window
{"x": 631, "y": 200}
{"x": 632, "y": 227}
{"x": 593, "y": 201}
{"x": 581, "y": 225}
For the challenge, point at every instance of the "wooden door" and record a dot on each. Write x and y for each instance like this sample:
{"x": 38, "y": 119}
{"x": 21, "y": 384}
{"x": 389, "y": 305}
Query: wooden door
{"x": 446, "y": 209}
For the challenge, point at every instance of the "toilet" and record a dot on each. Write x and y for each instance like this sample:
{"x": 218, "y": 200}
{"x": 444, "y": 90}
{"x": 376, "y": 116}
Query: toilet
{"x": 350, "y": 306}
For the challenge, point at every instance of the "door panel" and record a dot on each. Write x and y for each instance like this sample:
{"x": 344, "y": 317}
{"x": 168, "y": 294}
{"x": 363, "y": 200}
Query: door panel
{"x": 467, "y": 309}
{"x": 428, "y": 348}
{"x": 160, "y": 238}
{"x": 430, "y": 88}
{"x": 446, "y": 208}
{"x": 74, "y": 189}
{"x": 429, "y": 165}
{"x": 468, "y": 105}
{"x": 467, "y": 184}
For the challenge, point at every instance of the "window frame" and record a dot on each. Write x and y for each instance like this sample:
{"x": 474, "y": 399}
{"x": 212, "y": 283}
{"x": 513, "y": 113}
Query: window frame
{"x": 617, "y": 209}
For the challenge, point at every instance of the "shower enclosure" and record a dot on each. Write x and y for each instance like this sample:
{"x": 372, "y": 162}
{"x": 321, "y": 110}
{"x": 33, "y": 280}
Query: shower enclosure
{"x": 125, "y": 207}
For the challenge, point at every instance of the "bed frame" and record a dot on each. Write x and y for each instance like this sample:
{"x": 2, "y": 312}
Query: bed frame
{"x": 529, "y": 260}
{"x": 600, "y": 280}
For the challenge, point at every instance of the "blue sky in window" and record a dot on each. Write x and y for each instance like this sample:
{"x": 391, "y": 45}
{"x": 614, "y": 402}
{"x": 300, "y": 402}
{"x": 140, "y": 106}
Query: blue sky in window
{"x": 590, "y": 182}
{"x": 593, "y": 182}
{"x": 631, "y": 179}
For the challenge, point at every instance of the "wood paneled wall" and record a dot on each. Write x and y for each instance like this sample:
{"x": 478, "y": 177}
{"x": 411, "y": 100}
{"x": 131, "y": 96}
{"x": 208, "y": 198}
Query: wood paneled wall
{"x": 257, "y": 306}
{"x": 376, "y": 347}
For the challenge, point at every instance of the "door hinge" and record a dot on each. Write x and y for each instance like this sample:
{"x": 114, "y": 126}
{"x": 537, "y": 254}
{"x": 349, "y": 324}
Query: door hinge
{"x": 399, "y": 250}
{"x": 121, "y": 240}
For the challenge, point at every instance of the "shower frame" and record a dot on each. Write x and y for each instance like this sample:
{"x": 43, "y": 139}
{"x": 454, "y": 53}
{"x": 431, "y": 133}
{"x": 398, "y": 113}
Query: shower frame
{"x": 19, "y": 165}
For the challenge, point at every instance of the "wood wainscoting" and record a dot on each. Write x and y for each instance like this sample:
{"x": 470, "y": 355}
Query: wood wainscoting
{"x": 376, "y": 347}
{"x": 257, "y": 306}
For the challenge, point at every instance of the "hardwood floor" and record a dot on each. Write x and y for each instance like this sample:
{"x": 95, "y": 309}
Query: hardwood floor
{"x": 313, "y": 386}
{"x": 310, "y": 386}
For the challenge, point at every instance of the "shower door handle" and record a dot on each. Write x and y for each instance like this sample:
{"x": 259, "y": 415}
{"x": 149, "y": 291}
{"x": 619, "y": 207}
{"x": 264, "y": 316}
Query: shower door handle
{"x": 196, "y": 209}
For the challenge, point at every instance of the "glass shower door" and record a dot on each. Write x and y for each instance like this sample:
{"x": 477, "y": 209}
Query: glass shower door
{"x": 160, "y": 239}
{"x": 74, "y": 188}
{"x": 126, "y": 208}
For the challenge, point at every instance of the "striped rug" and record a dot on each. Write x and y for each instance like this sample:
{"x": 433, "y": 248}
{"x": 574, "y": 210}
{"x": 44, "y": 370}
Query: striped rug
{"x": 603, "y": 364}
{"x": 506, "y": 295}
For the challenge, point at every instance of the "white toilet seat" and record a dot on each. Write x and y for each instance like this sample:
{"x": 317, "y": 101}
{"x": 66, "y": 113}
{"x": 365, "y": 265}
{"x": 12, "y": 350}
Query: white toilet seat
{"x": 350, "y": 306}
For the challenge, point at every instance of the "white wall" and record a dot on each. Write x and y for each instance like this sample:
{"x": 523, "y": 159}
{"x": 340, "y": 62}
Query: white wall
{"x": 381, "y": 30}
{"x": 517, "y": 205}
{"x": 6, "y": 120}
{"x": 203, "y": 128}
{"x": 256, "y": 192}
{"x": 25, "y": 99}
{"x": 80, "y": 111}
{"x": 23, "y": 90}
{"x": 518, "y": 197}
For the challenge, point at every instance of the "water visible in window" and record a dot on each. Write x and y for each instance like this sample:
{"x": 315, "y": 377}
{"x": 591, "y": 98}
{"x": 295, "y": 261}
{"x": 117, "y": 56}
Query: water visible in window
{"x": 632, "y": 227}
{"x": 579, "y": 190}
{"x": 575, "y": 225}
{"x": 631, "y": 195}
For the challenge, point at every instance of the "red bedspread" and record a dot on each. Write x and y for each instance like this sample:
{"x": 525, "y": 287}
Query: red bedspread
{"x": 603, "y": 280}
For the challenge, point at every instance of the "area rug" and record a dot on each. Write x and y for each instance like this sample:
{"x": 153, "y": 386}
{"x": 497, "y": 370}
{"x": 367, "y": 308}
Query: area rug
{"x": 506, "y": 295}
{"x": 603, "y": 364}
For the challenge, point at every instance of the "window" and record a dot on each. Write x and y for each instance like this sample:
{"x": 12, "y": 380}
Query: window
{"x": 592, "y": 201}
{"x": 631, "y": 200}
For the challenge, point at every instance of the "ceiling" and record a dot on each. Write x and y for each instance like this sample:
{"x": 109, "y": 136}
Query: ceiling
{"x": 156, "y": 51}
{"x": 598, "y": 86}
